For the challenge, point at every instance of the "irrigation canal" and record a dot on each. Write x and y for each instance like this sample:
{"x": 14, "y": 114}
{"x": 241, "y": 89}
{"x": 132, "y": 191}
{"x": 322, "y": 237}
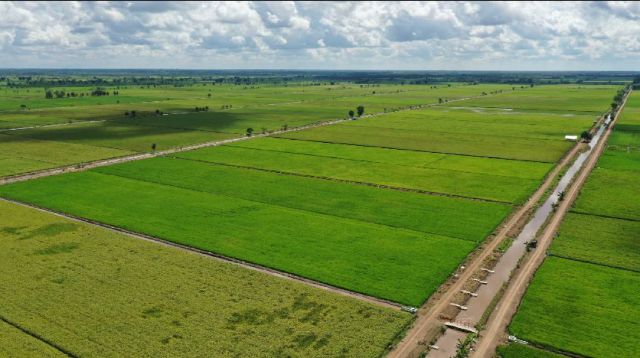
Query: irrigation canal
{"x": 477, "y": 305}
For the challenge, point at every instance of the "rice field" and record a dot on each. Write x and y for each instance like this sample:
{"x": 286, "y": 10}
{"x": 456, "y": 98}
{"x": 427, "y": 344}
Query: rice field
{"x": 89, "y": 291}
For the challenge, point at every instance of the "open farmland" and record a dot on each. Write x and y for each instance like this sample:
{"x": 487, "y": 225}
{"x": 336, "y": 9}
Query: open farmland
{"x": 252, "y": 200}
{"x": 582, "y": 308}
{"x": 590, "y": 99}
{"x": 167, "y": 116}
{"x": 92, "y": 292}
{"x": 584, "y": 298}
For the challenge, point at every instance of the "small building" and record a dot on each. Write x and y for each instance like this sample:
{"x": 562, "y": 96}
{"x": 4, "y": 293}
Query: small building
{"x": 571, "y": 138}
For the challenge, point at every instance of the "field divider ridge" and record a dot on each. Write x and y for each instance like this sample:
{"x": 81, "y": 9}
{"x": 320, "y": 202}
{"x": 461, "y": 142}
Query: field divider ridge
{"x": 38, "y": 337}
{"x": 349, "y": 181}
{"x": 414, "y": 231}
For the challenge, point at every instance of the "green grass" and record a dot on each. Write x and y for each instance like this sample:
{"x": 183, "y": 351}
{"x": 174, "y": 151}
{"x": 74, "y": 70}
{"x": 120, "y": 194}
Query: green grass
{"x": 515, "y": 350}
{"x": 509, "y": 168}
{"x": 425, "y": 213}
{"x": 583, "y": 308}
{"x": 553, "y": 98}
{"x": 400, "y": 265}
{"x": 439, "y": 142}
{"x": 605, "y": 241}
{"x": 461, "y": 183}
{"x": 611, "y": 193}
{"x": 112, "y": 295}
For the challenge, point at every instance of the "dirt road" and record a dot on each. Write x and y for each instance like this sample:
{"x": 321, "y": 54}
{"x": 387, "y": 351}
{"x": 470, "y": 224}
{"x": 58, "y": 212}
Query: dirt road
{"x": 508, "y": 305}
{"x": 428, "y": 316}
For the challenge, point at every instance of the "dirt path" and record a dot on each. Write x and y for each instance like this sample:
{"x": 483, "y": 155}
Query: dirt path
{"x": 508, "y": 305}
{"x": 428, "y": 316}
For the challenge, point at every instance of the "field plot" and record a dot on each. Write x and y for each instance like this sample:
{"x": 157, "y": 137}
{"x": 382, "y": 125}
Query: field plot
{"x": 23, "y": 155}
{"x": 601, "y": 240}
{"x": 426, "y": 213}
{"x": 583, "y": 308}
{"x": 585, "y": 296}
{"x": 396, "y": 264}
{"x": 591, "y": 99}
{"x": 91, "y": 291}
{"x": 508, "y": 189}
{"x": 464, "y": 131}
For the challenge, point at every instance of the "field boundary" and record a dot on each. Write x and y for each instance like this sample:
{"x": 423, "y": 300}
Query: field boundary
{"x": 414, "y": 231}
{"x": 212, "y": 255}
{"x": 595, "y": 263}
{"x": 349, "y": 181}
{"x": 38, "y": 337}
{"x": 415, "y": 150}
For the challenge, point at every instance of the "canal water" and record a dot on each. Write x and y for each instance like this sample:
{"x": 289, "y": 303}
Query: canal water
{"x": 476, "y": 306}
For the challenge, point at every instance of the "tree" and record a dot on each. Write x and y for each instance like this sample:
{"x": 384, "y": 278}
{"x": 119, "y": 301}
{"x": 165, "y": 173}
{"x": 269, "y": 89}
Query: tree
{"x": 249, "y": 131}
{"x": 48, "y": 94}
{"x": 360, "y": 110}
{"x": 351, "y": 114}
{"x": 133, "y": 114}
{"x": 440, "y": 100}
{"x": 153, "y": 147}
{"x": 586, "y": 135}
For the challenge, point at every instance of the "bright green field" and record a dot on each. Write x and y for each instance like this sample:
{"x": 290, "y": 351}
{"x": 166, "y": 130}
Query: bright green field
{"x": 583, "y": 308}
{"x": 553, "y": 98}
{"x": 426, "y": 213}
{"x": 401, "y": 265}
{"x": 97, "y": 293}
{"x": 483, "y": 133}
{"x": 454, "y": 182}
{"x": 605, "y": 241}
{"x": 515, "y": 350}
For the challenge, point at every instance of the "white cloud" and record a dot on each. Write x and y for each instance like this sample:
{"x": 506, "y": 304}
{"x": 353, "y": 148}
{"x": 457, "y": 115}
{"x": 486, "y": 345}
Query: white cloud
{"x": 358, "y": 35}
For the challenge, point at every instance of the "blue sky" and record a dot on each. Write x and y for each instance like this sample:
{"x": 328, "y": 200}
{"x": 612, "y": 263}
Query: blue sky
{"x": 310, "y": 35}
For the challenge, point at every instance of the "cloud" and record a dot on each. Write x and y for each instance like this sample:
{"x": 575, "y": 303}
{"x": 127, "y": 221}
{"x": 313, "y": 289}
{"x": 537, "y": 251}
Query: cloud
{"x": 350, "y": 35}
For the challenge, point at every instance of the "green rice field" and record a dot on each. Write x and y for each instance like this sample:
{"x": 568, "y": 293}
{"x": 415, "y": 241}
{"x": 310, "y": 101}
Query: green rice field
{"x": 89, "y": 290}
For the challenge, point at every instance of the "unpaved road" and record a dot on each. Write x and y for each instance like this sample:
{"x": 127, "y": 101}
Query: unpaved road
{"x": 428, "y": 316}
{"x": 508, "y": 305}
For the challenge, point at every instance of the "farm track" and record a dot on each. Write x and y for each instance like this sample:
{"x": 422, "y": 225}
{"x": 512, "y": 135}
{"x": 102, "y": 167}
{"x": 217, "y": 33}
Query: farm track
{"x": 428, "y": 315}
{"x": 508, "y": 305}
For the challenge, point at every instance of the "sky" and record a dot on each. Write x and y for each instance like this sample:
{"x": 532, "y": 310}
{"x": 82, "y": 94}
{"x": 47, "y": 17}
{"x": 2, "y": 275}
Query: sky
{"x": 322, "y": 35}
